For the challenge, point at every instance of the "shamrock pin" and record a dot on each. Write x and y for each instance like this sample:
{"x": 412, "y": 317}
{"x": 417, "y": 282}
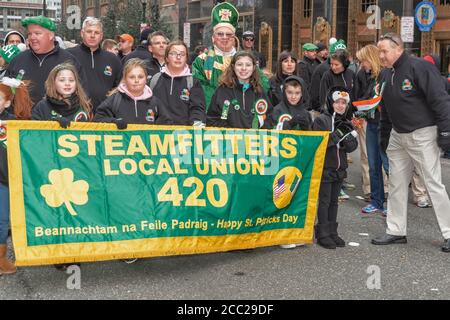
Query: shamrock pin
{"x": 63, "y": 190}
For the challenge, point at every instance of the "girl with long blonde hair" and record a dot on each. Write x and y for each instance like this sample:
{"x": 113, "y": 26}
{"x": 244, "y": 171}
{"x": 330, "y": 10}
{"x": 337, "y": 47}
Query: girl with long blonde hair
{"x": 65, "y": 99}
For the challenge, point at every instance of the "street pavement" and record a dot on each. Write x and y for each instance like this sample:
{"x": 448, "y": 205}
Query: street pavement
{"x": 417, "y": 270}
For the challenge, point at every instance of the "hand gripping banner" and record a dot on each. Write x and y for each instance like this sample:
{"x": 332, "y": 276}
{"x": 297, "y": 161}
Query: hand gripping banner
{"x": 91, "y": 192}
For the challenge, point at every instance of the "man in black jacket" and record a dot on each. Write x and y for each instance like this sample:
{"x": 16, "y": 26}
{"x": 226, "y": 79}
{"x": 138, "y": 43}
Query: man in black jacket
{"x": 248, "y": 44}
{"x": 309, "y": 63}
{"x": 103, "y": 69}
{"x": 44, "y": 54}
{"x": 416, "y": 107}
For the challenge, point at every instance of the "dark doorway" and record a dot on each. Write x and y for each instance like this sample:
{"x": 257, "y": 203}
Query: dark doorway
{"x": 286, "y": 25}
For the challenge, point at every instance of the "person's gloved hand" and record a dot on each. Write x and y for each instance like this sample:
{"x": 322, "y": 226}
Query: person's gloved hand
{"x": 120, "y": 123}
{"x": 198, "y": 124}
{"x": 443, "y": 140}
{"x": 360, "y": 114}
{"x": 343, "y": 128}
{"x": 302, "y": 120}
{"x": 63, "y": 122}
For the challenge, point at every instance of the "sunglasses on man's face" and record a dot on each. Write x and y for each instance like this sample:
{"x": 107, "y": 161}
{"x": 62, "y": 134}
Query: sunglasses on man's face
{"x": 388, "y": 37}
{"x": 224, "y": 35}
{"x": 249, "y": 39}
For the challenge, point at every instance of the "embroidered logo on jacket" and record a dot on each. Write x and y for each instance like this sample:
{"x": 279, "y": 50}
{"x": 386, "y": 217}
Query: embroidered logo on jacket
{"x": 108, "y": 71}
{"x": 81, "y": 116}
{"x": 185, "y": 94}
{"x": 407, "y": 85}
{"x": 150, "y": 117}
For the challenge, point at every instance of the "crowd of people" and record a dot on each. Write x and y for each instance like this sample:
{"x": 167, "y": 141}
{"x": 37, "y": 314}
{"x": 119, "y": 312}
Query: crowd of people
{"x": 400, "y": 137}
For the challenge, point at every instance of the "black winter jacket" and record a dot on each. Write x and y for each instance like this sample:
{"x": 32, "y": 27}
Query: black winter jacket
{"x": 120, "y": 105}
{"x": 51, "y": 109}
{"x": 5, "y": 115}
{"x": 241, "y": 108}
{"x": 38, "y": 67}
{"x": 184, "y": 106}
{"x": 103, "y": 71}
{"x": 414, "y": 97}
{"x": 315, "y": 84}
{"x": 276, "y": 91}
{"x": 306, "y": 68}
{"x": 284, "y": 110}
{"x": 336, "y": 158}
{"x": 345, "y": 79}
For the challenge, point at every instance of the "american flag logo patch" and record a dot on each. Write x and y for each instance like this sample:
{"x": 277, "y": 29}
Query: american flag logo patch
{"x": 280, "y": 187}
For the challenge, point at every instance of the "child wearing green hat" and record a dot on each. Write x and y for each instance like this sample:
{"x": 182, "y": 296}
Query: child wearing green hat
{"x": 7, "y": 53}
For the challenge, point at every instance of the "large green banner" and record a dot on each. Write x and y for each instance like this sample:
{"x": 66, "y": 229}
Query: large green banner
{"x": 92, "y": 192}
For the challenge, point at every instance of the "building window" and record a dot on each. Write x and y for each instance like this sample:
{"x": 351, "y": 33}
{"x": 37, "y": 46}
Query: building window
{"x": 307, "y": 8}
{"x": 365, "y": 4}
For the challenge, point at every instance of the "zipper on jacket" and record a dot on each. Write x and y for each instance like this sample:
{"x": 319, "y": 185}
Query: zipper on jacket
{"x": 243, "y": 99}
{"x": 339, "y": 158}
{"x": 135, "y": 107}
{"x": 171, "y": 86}
{"x": 45, "y": 57}
{"x": 343, "y": 78}
{"x": 337, "y": 146}
{"x": 392, "y": 78}
{"x": 92, "y": 59}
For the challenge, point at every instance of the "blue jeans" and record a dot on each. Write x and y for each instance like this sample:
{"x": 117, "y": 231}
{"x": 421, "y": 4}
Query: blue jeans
{"x": 377, "y": 160}
{"x": 4, "y": 213}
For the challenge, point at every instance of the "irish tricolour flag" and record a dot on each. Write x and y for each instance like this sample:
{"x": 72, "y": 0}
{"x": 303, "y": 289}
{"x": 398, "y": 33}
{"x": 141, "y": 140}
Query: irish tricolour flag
{"x": 369, "y": 104}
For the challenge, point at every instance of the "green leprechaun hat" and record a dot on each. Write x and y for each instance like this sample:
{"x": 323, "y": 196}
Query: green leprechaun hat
{"x": 224, "y": 15}
{"x": 337, "y": 45}
{"x": 42, "y": 21}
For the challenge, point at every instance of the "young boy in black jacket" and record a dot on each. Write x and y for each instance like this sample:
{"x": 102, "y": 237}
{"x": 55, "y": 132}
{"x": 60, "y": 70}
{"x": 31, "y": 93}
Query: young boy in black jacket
{"x": 342, "y": 140}
{"x": 292, "y": 112}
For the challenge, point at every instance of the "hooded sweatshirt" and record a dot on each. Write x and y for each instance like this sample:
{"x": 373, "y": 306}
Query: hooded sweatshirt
{"x": 185, "y": 106}
{"x": 284, "y": 111}
{"x": 145, "y": 109}
{"x": 13, "y": 32}
{"x": 276, "y": 90}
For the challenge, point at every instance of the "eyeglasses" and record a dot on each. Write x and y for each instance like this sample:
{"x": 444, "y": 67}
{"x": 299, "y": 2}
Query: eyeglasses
{"x": 177, "y": 54}
{"x": 388, "y": 37}
{"x": 249, "y": 39}
{"x": 224, "y": 35}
